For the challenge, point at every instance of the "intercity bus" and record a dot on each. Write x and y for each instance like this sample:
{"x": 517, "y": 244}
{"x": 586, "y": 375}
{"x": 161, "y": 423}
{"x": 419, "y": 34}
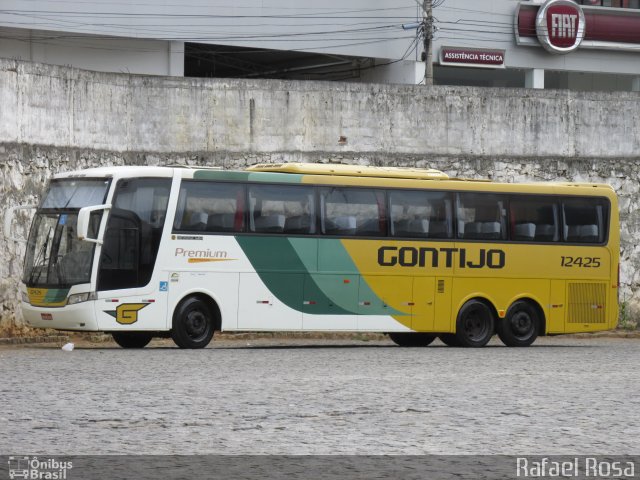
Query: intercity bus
{"x": 142, "y": 252}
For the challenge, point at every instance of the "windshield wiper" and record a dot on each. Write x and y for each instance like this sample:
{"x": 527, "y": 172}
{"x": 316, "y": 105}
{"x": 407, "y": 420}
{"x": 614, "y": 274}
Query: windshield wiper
{"x": 75, "y": 190}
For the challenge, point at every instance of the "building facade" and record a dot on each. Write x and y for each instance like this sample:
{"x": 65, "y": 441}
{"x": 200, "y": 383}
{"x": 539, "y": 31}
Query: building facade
{"x": 493, "y": 43}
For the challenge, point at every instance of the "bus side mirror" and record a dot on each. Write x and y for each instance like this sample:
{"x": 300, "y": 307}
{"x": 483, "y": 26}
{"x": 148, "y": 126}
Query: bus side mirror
{"x": 84, "y": 217}
{"x": 8, "y": 222}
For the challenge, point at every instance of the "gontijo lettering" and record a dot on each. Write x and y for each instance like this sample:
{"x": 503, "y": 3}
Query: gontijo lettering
{"x": 389, "y": 256}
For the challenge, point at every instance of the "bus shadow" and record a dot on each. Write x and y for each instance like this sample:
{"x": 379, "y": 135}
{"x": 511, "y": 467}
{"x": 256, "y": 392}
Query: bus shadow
{"x": 315, "y": 346}
{"x": 430, "y": 347}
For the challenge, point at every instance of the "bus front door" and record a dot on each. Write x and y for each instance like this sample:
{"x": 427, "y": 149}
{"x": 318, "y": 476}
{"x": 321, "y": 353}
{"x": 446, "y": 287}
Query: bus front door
{"x": 129, "y": 296}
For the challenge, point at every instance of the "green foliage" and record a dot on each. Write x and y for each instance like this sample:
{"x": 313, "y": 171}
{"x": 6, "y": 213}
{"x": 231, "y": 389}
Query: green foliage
{"x": 624, "y": 318}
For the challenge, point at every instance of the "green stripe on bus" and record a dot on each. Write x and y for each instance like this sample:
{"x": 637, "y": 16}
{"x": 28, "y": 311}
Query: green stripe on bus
{"x": 329, "y": 295}
{"x": 289, "y": 269}
{"x": 277, "y": 263}
{"x": 275, "y": 177}
{"x": 337, "y": 259}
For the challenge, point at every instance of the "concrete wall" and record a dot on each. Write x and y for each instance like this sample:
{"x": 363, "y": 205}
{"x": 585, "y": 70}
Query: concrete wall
{"x": 55, "y": 118}
{"x": 65, "y": 107}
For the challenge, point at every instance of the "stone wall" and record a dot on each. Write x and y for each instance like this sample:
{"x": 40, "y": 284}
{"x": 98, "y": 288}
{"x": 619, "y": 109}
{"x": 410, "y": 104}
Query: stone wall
{"x": 55, "y": 119}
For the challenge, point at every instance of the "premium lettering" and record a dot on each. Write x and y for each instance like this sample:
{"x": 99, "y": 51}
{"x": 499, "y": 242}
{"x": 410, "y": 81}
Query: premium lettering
{"x": 206, "y": 253}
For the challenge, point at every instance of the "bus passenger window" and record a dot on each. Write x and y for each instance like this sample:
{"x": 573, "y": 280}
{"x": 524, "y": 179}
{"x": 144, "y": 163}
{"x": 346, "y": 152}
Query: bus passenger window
{"x": 210, "y": 207}
{"x": 534, "y": 219}
{"x": 584, "y": 220}
{"x": 420, "y": 214}
{"x": 282, "y": 209}
{"x": 353, "y": 212}
{"x": 481, "y": 216}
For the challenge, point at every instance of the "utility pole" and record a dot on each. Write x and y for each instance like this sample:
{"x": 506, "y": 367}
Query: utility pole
{"x": 427, "y": 32}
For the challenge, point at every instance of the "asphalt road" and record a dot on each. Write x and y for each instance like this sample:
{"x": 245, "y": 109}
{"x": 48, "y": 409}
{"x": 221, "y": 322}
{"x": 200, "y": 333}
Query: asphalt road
{"x": 563, "y": 396}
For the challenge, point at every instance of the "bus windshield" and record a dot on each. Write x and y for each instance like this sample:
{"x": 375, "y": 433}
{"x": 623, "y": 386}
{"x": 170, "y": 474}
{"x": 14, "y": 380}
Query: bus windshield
{"x": 55, "y": 256}
{"x": 75, "y": 193}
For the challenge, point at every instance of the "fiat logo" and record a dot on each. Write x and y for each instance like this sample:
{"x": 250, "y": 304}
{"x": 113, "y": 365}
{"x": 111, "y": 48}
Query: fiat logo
{"x": 560, "y": 26}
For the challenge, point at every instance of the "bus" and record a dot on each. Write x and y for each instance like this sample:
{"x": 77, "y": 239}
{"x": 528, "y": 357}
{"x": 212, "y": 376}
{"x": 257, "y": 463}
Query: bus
{"x": 182, "y": 252}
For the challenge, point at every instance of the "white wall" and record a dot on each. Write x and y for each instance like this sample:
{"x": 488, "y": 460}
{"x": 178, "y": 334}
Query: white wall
{"x": 354, "y": 27}
{"x": 151, "y": 57}
{"x": 407, "y": 72}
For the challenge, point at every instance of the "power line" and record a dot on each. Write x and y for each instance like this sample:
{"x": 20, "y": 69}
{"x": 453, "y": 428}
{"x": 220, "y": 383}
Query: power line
{"x": 336, "y": 14}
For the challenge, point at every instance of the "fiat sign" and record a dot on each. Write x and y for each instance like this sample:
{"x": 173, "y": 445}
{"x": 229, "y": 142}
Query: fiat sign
{"x": 560, "y": 25}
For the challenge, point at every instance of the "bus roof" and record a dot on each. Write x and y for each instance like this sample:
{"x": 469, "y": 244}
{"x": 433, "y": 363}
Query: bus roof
{"x": 406, "y": 173}
{"x": 338, "y": 174}
{"x": 124, "y": 171}
{"x": 350, "y": 170}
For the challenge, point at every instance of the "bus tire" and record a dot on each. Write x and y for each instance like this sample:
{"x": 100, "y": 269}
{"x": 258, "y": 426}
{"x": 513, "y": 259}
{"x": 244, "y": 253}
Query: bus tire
{"x": 411, "y": 339}
{"x": 449, "y": 339}
{"x": 193, "y": 324}
{"x": 132, "y": 339}
{"x": 521, "y": 325}
{"x": 475, "y": 324}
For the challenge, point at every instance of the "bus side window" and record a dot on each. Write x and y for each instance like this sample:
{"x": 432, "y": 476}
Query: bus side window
{"x": 353, "y": 212}
{"x": 584, "y": 221}
{"x": 481, "y": 216}
{"x": 533, "y": 219}
{"x": 210, "y": 207}
{"x": 420, "y": 214}
{"x": 286, "y": 209}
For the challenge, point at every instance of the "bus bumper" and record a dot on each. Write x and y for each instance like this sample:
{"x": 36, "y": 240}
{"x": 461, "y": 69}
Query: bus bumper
{"x": 80, "y": 316}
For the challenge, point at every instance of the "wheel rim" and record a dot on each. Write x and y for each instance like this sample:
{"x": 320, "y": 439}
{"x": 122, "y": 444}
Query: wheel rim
{"x": 522, "y": 325}
{"x": 196, "y": 325}
{"x": 476, "y": 324}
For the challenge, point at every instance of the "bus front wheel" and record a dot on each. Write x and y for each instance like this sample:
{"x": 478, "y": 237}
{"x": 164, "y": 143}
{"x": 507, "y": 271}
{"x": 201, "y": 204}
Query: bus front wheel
{"x": 411, "y": 339}
{"x": 132, "y": 339}
{"x": 521, "y": 325}
{"x": 475, "y": 324}
{"x": 193, "y": 324}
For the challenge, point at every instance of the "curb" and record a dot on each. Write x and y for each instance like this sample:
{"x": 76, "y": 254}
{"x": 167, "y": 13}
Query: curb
{"x": 101, "y": 338}
{"x": 608, "y": 334}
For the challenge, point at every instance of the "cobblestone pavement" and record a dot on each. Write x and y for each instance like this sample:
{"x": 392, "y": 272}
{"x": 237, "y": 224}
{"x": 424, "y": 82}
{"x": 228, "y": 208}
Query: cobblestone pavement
{"x": 301, "y": 396}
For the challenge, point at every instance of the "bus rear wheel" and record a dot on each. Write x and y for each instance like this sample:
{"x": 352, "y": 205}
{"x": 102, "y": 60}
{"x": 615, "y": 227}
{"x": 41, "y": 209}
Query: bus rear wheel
{"x": 193, "y": 325}
{"x": 411, "y": 339}
{"x": 475, "y": 324}
{"x": 520, "y": 326}
{"x": 132, "y": 339}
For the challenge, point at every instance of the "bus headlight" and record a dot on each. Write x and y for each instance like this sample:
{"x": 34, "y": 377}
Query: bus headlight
{"x": 25, "y": 296}
{"x": 80, "y": 297}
